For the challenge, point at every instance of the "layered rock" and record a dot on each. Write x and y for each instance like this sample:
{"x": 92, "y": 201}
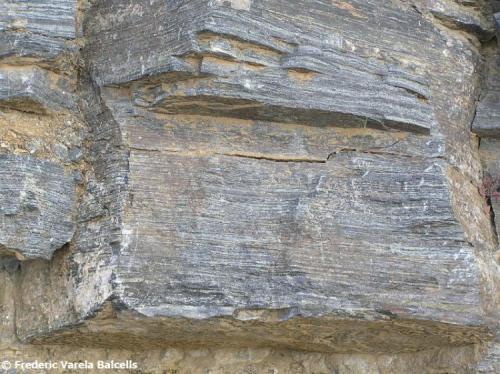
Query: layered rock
{"x": 487, "y": 126}
{"x": 37, "y": 206}
{"x": 251, "y": 174}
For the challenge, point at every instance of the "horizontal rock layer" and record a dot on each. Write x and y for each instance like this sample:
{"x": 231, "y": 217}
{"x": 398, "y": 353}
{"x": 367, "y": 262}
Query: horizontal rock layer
{"x": 37, "y": 29}
{"x": 282, "y": 70}
{"x": 360, "y": 233}
{"x": 35, "y": 90}
{"x": 248, "y": 174}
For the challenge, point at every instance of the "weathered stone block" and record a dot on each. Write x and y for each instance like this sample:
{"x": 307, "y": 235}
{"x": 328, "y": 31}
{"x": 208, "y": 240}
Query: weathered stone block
{"x": 36, "y": 90}
{"x": 254, "y": 173}
{"x": 470, "y": 15}
{"x": 245, "y": 233}
{"x": 37, "y": 207}
{"x": 221, "y": 249}
{"x": 487, "y": 121}
{"x": 36, "y": 29}
{"x": 226, "y": 60}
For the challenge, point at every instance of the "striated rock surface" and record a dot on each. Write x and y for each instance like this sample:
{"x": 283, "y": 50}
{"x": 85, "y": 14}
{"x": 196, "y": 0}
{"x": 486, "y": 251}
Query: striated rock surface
{"x": 251, "y": 186}
{"x": 37, "y": 30}
{"x": 37, "y": 206}
{"x": 265, "y": 61}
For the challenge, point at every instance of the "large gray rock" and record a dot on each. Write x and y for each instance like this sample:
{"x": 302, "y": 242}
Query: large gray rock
{"x": 255, "y": 173}
{"x": 37, "y": 29}
{"x": 359, "y": 234}
{"x": 36, "y": 90}
{"x": 37, "y": 207}
{"x": 487, "y": 120}
{"x": 234, "y": 60}
{"x": 37, "y": 51}
{"x": 222, "y": 186}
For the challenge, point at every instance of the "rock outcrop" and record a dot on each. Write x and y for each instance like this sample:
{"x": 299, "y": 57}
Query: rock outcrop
{"x": 251, "y": 185}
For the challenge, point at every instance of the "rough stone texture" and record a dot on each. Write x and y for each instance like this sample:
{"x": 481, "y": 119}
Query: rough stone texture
{"x": 486, "y": 122}
{"x": 249, "y": 186}
{"x": 269, "y": 212}
{"x": 248, "y": 361}
{"x": 469, "y": 15}
{"x": 37, "y": 204}
{"x": 232, "y": 61}
{"x": 38, "y": 29}
{"x": 24, "y": 86}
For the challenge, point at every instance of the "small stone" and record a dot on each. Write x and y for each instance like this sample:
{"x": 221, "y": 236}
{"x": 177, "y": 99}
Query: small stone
{"x": 75, "y": 154}
{"x": 77, "y": 176}
{"x": 34, "y": 146}
{"x": 60, "y": 151}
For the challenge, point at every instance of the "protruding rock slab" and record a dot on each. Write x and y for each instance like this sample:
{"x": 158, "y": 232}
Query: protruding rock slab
{"x": 358, "y": 253}
{"x": 37, "y": 202}
{"x": 31, "y": 89}
{"x": 267, "y": 60}
{"x": 472, "y": 16}
{"x": 263, "y": 328}
{"x": 36, "y": 29}
{"x": 362, "y": 234}
{"x": 217, "y": 208}
{"x": 487, "y": 121}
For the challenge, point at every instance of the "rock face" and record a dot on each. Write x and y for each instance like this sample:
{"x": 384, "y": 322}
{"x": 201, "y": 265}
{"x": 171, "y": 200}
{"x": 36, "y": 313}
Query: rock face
{"x": 226, "y": 59}
{"x": 251, "y": 186}
{"x": 37, "y": 203}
